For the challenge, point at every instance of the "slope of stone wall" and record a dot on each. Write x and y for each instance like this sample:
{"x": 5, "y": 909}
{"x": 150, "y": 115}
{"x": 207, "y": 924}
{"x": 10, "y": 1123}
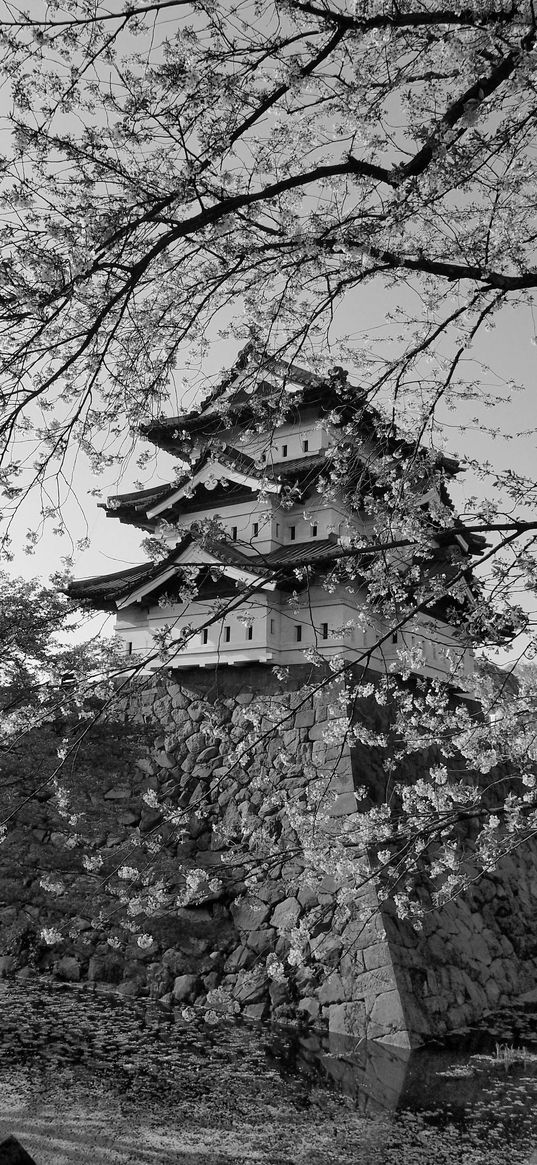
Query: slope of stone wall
{"x": 271, "y": 891}
{"x": 231, "y": 755}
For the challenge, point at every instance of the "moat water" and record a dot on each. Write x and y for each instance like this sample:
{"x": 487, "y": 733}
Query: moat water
{"x": 88, "y": 1077}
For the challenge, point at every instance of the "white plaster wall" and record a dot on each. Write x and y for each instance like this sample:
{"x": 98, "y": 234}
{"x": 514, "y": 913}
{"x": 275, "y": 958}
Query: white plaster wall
{"x": 282, "y": 631}
{"x": 268, "y": 448}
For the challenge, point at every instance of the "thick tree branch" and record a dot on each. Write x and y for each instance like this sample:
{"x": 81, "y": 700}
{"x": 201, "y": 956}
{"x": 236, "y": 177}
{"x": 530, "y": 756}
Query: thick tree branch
{"x": 453, "y": 272}
{"x": 128, "y": 13}
{"x": 463, "y": 18}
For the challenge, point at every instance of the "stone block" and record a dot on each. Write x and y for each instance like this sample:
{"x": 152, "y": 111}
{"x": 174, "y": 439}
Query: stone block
{"x": 332, "y": 990}
{"x": 304, "y": 718}
{"x": 146, "y": 766}
{"x": 251, "y": 986}
{"x": 370, "y": 984}
{"x": 68, "y": 968}
{"x": 256, "y": 1011}
{"x": 493, "y": 992}
{"x": 179, "y": 700}
{"x": 165, "y": 760}
{"x": 386, "y": 1015}
{"x": 477, "y": 950}
{"x": 347, "y": 1019}
{"x": 326, "y": 948}
{"x": 128, "y": 817}
{"x": 105, "y": 969}
{"x": 344, "y": 805}
{"x": 261, "y": 941}
{"x": 307, "y": 897}
{"x": 134, "y": 969}
{"x": 162, "y": 708}
{"x": 270, "y": 893}
{"x": 249, "y": 913}
{"x": 207, "y": 754}
{"x": 377, "y": 956}
{"x": 7, "y": 966}
{"x": 292, "y": 871}
{"x": 184, "y": 987}
{"x": 498, "y": 971}
{"x": 196, "y": 743}
{"x": 197, "y": 711}
{"x": 309, "y": 1006}
{"x": 437, "y": 947}
{"x": 149, "y": 820}
{"x": 286, "y": 914}
{"x": 319, "y": 731}
{"x": 129, "y": 989}
{"x": 279, "y": 993}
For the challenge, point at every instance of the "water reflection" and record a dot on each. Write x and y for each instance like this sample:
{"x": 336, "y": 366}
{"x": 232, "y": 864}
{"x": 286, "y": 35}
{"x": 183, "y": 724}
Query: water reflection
{"x": 373, "y": 1074}
{"x": 91, "y": 1078}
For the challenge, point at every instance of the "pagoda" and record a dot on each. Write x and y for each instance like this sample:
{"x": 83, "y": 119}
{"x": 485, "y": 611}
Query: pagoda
{"x": 266, "y": 531}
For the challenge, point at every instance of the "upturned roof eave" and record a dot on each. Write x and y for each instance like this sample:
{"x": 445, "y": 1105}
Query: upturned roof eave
{"x": 107, "y": 590}
{"x": 135, "y": 508}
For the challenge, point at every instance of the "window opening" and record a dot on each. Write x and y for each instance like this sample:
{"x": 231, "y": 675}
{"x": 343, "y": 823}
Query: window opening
{"x": 284, "y": 450}
{"x": 292, "y": 533}
{"x": 324, "y": 630}
{"x": 277, "y": 529}
{"x": 129, "y": 648}
{"x": 234, "y": 533}
{"x": 272, "y": 626}
{"x": 314, "y": 531}
{"x": 227, "y": 634}
{"x": 394, "y": 637}
{"x": 305, "y": 446}
{"x": 250, "y": 633}
{"x": 205, "y": 636}
{"x": 255, "y": 529}
{"x": 298, "y": 633}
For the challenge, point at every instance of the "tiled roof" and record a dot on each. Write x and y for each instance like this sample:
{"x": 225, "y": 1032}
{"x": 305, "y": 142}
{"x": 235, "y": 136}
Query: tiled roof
{"x": 132, "y": 507}
{"x": 107, "y": 589}
{"x": 302, "y": 553}
{"x": 296, "y": 467}
{"x": 110, "y": 587}
{"x": 136, "y": 504}
{"x": 232, "y": 387}
{"x": 142, "y": 495}
{"x": 228, "y": 552}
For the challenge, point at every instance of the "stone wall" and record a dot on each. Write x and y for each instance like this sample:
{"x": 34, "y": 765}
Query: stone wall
{"x": 229, "y": 757}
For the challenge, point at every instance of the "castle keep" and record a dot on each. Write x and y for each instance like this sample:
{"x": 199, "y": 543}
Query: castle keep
{"x": 264, "y": 524}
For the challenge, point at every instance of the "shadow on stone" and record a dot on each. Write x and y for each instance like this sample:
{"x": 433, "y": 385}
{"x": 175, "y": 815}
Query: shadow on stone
{"x": 12, "y": 1153}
